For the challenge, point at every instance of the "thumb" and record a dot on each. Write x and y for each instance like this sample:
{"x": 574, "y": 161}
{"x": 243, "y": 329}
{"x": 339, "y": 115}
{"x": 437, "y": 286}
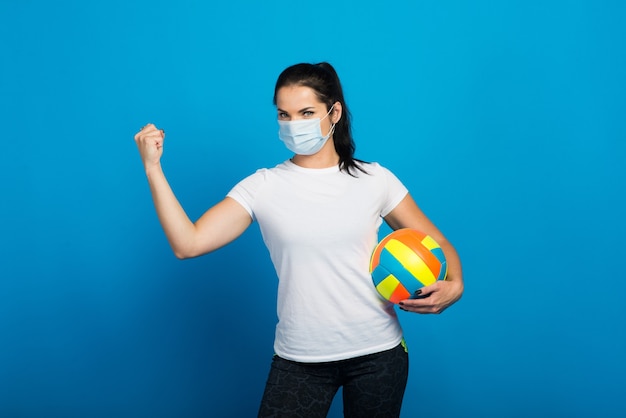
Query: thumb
{"x": 159, "y": 141}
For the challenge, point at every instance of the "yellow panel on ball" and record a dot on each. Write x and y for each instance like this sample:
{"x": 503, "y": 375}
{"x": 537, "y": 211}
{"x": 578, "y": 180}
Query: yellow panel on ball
{"x": 387, "y": 286}
{"x": 411, "y": 261}
{"x": 430, "y": 243}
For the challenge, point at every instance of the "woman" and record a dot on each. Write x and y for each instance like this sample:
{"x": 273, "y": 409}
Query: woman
{"x": 319, "y": 215}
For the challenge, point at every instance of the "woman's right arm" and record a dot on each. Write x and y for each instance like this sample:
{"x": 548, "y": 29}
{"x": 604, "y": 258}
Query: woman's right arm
{"x": 217, "y": 227}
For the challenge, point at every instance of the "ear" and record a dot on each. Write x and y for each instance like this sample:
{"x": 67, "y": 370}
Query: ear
{"x": 336, "y": 113}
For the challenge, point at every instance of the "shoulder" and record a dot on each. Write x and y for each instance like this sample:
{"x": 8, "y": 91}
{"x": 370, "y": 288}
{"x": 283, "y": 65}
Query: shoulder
{"x": 248, "y": 190}
{"x": 262, "y": 174}
{"x": 372, "y": 169}
{"x": 384, "y": 177}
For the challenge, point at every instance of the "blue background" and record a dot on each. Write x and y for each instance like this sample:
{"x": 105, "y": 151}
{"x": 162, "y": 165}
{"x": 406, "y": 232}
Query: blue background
{"x": 506, "y": 120}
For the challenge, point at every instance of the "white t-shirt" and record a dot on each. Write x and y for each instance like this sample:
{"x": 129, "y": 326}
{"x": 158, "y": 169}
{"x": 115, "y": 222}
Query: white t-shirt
{"x": 320, "y": 227}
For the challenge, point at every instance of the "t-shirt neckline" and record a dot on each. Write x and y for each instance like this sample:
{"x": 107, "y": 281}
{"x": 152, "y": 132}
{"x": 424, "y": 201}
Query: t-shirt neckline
{"x": 295, "y": 167}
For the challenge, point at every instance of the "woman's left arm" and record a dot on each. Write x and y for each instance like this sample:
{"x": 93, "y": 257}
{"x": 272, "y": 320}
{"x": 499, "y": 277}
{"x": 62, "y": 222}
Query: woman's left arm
{"x": 436, "y": 297}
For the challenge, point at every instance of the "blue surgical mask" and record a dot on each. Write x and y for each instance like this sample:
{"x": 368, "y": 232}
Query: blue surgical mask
{"x": 304, "y": 136}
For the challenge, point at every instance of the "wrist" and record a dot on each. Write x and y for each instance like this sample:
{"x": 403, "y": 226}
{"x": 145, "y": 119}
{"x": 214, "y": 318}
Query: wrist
{"x": 153, "y": 169}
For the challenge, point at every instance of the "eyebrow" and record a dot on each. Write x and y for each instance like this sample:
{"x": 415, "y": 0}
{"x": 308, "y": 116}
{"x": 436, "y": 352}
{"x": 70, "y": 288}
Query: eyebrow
{"x": 300, "y": 111}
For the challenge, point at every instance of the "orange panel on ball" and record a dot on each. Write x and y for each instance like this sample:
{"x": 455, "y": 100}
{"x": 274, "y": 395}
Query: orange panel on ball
{"x": 399, "y": 294}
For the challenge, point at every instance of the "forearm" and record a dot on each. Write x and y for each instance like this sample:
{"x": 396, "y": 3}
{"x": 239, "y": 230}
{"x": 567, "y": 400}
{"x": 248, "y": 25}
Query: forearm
{"x": 178, "y": 228}
{"x": 455, "y": 271}
{"x": 453, "y": 260}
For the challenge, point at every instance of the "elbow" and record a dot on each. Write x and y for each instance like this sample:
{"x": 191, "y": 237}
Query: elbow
{"x": 191, "y": 248}
{"x": 183, "y": 253}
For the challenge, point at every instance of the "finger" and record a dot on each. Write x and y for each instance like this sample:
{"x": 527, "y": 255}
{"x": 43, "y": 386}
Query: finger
{"x": 150, "y": 141}
{"x": 148, "y": 136}
{"x": 431, "y": 310}
{"x": 427, "y": 290}
{"x": 415, "y": 303}
{"x": 418, "y": 306}
{"x": 150, "y": 127}
{"x": 142, "y": 131}
{"x": 155, "y": 138}
{"x": 421, "y": 301}
{"x": 148, "y": 132}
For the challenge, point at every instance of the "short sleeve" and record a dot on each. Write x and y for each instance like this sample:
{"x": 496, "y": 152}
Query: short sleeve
{"x": 246, "y": 191}
{"x": 395, "y": 191}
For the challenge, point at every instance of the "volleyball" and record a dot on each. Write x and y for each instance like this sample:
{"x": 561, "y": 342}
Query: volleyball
{"x": 404, "y": 261}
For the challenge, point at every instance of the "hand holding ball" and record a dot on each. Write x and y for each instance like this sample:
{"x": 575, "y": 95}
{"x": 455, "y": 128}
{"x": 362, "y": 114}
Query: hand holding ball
{"x": 405, "y": 261}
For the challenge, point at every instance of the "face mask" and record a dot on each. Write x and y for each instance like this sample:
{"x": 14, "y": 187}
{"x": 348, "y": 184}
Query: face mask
{"x": 304, "y": 136}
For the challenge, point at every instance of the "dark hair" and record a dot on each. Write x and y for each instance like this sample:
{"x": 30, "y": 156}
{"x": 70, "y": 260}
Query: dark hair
{"x": 323, "y": 79}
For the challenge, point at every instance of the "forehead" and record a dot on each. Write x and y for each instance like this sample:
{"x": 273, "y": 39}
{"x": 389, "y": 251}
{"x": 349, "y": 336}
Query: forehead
{"x": 296, "y": 97}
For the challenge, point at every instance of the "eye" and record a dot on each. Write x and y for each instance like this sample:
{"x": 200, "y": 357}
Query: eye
{"x": 308, "y": 113}
{"x": 282, "y": 115}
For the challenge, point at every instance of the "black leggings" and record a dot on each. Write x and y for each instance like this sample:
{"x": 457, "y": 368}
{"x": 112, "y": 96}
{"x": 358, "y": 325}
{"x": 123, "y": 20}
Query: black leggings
{"x": 373, "y": 386}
